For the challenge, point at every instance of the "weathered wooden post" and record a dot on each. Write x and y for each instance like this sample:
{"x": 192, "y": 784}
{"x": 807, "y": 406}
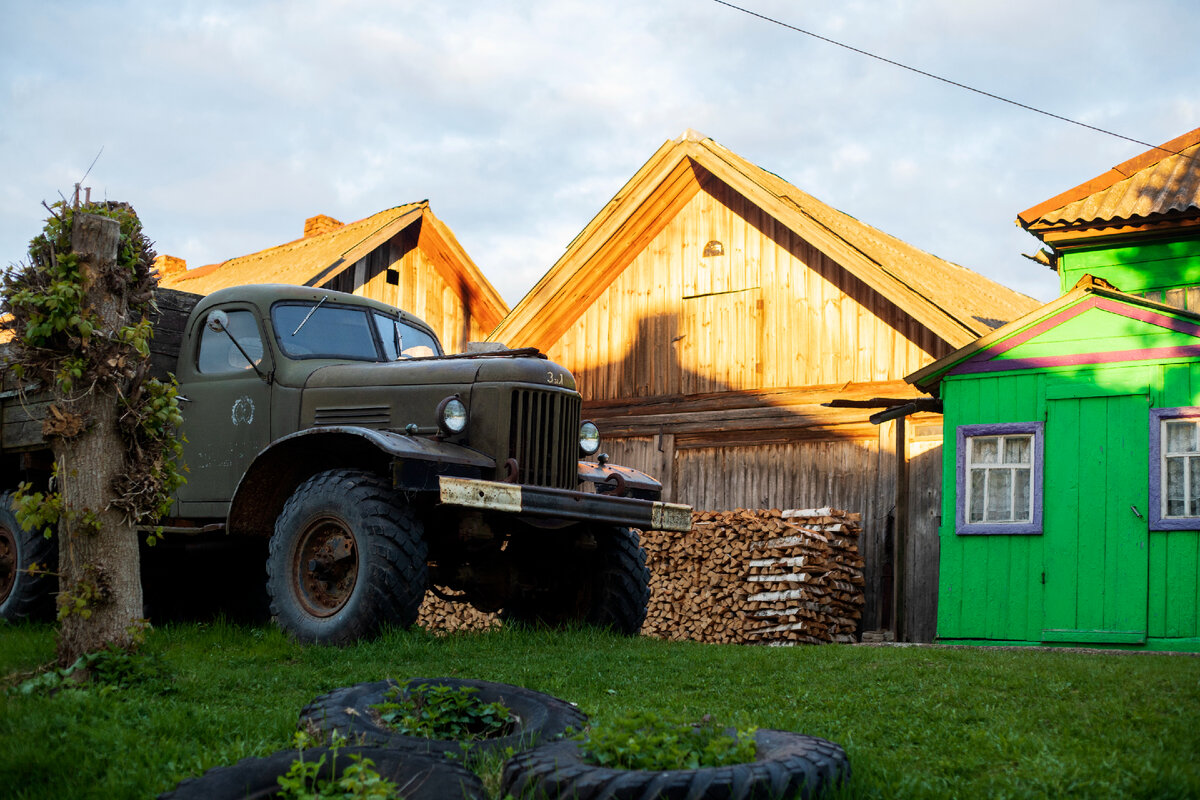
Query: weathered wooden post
{"x": 99, "y": 578}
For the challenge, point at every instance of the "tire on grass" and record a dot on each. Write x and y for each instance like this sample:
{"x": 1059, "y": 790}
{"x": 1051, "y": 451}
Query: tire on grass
{"x": 787, "y": 765}
{"x": 25, "y": 596}
{"x": 418, "y": 777}
{"x": 539, "y": 717}
{"x": 347, "y": 556}
{"x": 607, "y": 586}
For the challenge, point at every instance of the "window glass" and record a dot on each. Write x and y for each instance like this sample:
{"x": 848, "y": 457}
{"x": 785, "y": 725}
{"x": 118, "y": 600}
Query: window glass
{"x": 1181, "y": 468}
{"x": 313, "y": 330}
{"x": 401, "y": 340}
{"x": 218, "y": 353}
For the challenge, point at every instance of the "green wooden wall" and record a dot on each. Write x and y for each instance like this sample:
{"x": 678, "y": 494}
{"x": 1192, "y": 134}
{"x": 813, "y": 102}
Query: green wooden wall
{"x": 1096, "y": 566}
{"x": 1135, "y": 268}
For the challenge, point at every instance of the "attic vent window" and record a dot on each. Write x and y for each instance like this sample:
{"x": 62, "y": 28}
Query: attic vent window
{"x": 392, "y": 277}
{"x": 714, "y": 248}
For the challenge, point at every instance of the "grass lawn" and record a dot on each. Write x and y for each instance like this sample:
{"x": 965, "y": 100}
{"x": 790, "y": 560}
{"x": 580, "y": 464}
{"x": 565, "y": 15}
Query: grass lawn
{"x": 916, "y": 722}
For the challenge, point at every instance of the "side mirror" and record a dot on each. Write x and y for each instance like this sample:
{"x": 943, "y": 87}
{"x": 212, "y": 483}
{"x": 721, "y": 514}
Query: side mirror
{"x": 217, "y": 321}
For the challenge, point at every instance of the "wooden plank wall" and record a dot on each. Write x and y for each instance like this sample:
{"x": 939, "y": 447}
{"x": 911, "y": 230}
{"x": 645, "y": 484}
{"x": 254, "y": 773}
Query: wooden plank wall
{"x": 922, "y": 549}
{"x": 425, "y": 285}
{"x": 772, "y": 311}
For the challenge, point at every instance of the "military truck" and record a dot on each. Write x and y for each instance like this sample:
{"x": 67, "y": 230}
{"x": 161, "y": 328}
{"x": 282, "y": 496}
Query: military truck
{"x": 336, "y": 453}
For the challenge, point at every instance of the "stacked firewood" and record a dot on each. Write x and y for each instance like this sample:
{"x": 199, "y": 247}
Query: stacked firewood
{"x": 765, "y": 577}
{"x": 446, "y": 616}
{"x": 738, "y": 577}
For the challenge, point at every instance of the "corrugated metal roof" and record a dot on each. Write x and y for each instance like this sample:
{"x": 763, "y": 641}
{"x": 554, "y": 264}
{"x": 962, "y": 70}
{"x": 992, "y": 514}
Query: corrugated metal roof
{"x": 1154, "y": 184}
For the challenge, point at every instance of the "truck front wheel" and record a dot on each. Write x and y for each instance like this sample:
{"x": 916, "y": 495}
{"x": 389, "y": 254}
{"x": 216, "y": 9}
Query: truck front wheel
{"x": 599, "y": 579}
{"x": 347, "y": 555}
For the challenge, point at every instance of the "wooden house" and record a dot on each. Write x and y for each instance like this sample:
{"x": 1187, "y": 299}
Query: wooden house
{"x": 404, "y": 256}
{"x": 711, "y": 308}
{"x": 1071, "y": 499}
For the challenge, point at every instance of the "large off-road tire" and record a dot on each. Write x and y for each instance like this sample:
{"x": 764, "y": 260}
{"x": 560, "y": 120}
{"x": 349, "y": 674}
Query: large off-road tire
{"x": 607, "y": 586}
{"x": 787, "y": 765}
{"x": 347, "y": 556}
{"x": 539, "y": 717}
{"x": 418, "y": 777}
{"x": 25, "y": 596}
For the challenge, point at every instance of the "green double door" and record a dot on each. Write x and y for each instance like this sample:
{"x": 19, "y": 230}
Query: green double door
{"x": 1096, "y": 540}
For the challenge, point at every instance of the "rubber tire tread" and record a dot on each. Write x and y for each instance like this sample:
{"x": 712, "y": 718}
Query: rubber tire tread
{"x": 32, "y": 596}
{"x": 253, "y": 778}
{"x": 541, "y": 717}
{"x": 392, "y": 572}
{"x": 788, "y": 765}
{"x": 622, "y": 583}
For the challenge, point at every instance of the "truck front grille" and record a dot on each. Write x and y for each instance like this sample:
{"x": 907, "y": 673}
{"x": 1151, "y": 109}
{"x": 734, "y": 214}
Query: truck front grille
{"x": 544, "y": 438}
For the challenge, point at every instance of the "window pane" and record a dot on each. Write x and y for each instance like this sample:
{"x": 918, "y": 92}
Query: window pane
{"x": 978, "y": 476}
{"x": 1181, "y": 436}
{"x": 1023, "y": 500}
{"x": 1175, "y": 504}
{"x": 999, "y": 496}
{"x": 985, "y": 450}
{"x": 1017, "y": 449}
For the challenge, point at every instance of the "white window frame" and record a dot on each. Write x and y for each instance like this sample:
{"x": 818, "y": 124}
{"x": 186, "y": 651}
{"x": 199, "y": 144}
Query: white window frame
{"x": 966, "y": 433}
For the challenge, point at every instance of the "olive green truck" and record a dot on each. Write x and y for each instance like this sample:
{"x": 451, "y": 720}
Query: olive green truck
{"x": 337, "y": 456}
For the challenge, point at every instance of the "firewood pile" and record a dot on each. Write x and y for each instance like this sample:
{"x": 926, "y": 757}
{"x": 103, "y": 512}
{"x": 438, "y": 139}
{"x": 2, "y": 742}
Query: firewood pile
{"x": 761, "y": 577}
{"x": 444, "y": 616}
{"x": 738, "y": 577}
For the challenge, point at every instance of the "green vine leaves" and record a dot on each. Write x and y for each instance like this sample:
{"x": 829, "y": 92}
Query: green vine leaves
{"x": 57, "y": 342}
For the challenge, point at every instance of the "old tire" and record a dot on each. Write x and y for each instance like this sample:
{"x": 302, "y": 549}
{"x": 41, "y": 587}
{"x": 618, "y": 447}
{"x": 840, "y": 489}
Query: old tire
{"x": 788, "y": 765}
{"x": 540, "y": 717}
{"x": 347, "y": 556}
{"x": 24, "y": 596}
{"x": 606, "y": 587}
{"x": 419, "y": 777}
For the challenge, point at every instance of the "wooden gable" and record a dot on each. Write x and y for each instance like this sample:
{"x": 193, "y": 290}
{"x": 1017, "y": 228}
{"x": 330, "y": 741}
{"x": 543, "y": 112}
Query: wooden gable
{"x": 707, "y": 274}
{"x": 404, "y": 256}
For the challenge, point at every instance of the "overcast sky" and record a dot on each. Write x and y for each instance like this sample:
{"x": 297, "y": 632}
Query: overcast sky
{"x": 226, "y": 124}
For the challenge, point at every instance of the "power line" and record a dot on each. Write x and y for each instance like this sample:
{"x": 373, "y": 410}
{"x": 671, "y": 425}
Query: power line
{"x": 940, "y": 78}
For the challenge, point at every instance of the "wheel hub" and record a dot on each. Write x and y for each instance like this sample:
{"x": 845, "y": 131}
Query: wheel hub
{"x": 325, "y": 565}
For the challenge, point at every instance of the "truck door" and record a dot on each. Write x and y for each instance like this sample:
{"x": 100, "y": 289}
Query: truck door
{"x": 227, "y": 417}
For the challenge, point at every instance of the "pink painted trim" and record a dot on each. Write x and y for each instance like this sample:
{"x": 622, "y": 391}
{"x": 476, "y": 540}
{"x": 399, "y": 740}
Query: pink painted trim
{"x": 1081, "y": 359}
{"x": 985, "y": 361}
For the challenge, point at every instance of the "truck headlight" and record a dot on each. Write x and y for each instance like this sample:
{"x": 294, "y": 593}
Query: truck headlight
{"x": 452, "y": 415}
{"x": 589, "y": 438}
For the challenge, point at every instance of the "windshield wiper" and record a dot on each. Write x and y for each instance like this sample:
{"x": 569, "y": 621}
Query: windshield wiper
{"x": 311, "y": 311}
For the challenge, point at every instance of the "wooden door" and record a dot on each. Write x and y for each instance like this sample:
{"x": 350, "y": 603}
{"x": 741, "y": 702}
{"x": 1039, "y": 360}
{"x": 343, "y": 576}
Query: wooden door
{"x": 1096, "y": 534}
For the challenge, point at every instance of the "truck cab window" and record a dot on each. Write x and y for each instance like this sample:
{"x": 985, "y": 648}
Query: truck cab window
{"x": 311, "y": 330}
{"x": 403, "y": 341}
{"x": 218, "y": 354}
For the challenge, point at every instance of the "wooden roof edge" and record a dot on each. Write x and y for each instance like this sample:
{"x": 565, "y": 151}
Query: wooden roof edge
{"x": 1118, "y": 173}
{"x": 594, "y": 236}
{"x": 491, "y": 297}
{"x": 944, "y": 324}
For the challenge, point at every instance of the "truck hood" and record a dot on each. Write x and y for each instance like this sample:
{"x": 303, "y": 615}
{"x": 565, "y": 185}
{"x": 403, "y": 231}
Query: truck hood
{"x": 443, "y": 371}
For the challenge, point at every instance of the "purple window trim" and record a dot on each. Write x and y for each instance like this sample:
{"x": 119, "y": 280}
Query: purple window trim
{"x": 1156, "y": 520}
{"x": 962, "y": 527}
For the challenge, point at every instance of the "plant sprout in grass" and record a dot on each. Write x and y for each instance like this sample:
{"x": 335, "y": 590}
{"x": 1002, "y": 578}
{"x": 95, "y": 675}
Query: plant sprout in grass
{"x": 646, "y": 740}
{"x": 359, "y": 781}
{"x": 443, "y": 712}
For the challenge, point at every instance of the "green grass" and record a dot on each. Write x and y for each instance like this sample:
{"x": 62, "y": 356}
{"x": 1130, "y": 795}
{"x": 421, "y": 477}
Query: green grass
{"x": 916, "y": 722}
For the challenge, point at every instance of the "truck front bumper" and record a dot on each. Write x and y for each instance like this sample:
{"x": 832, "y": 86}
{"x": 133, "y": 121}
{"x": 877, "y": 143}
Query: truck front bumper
{"x": 540, "y": 501}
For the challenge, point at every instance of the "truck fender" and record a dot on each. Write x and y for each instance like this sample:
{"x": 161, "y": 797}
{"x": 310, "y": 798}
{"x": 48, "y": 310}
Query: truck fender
{"x": 287, "y": 462}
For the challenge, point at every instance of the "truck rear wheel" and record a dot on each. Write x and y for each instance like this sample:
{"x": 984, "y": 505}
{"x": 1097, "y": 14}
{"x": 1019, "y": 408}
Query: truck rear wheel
{"x": 24, "y": 596}
{"x": 347, "y": 555}
{"x": 607, "y": 586}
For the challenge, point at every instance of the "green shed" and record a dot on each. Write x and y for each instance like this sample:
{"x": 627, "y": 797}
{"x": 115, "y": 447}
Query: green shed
{"x": 1071, "y": 480}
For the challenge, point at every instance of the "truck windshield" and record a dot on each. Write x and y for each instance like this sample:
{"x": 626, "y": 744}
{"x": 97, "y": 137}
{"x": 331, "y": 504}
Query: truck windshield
{"x": 312, "y": 330}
